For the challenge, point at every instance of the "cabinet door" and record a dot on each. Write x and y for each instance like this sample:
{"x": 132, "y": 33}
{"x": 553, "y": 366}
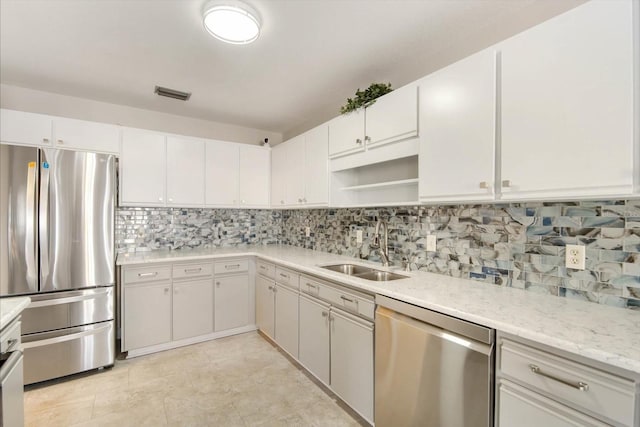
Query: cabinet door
{"x": 18, "y": 127}
{"x": 185, "y": 172}
{"x": 265, "y": 306}
{"x": 278, "y": 175}
{"x": 192, "y": 308}
{"x": 90, "y": 136}
{"x": 222, "y": 169}
{"x": 231, "y": 302}
{"x": 287, "y": 319}
{"x": 147, "y": 315}
{"x": 316, "y": 171}
{"x": 520, "y": 407}
{"x": 352, "y": 362}
{"x": 393, "y": 117}
{"x": 457, "y": 161}
{"x": 294, "y": 183}
{"x": 142, "y": 168}
{"x": 255, "y": 171}
{"x": 346, "y": 134}
{"x": 567, "y": 105}
{"x": 314, "y": 338}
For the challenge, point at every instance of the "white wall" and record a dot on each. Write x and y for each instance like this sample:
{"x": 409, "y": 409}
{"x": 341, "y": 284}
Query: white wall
{"x": 35, "y": 101}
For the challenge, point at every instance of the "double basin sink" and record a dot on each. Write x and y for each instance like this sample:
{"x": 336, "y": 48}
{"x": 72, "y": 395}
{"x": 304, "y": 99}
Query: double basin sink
{"x": 362, "y": 272}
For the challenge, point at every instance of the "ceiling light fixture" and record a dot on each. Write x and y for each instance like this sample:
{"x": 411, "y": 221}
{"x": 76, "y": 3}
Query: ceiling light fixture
{"x": 231, "y": 21}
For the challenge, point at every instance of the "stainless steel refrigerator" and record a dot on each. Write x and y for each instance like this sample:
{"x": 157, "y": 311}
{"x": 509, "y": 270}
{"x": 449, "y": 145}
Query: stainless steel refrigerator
{"x": 57, "y": 246}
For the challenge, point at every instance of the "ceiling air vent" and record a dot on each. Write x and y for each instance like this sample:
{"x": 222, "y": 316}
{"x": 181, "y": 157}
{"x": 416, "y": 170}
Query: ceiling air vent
{"x": 172, "y": 93}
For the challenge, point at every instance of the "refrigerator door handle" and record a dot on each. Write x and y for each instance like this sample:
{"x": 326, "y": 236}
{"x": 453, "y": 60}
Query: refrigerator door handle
{"x": 44, "y": 219}
{"x": 30, "y": 229}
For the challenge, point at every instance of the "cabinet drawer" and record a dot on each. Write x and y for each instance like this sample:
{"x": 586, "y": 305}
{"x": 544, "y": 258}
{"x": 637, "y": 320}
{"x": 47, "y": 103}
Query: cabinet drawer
{"x": 267, "y": 270}
{"x": 310, "y": 286}
{"x": 347, "y": 301}
{"x": 147, "y": 274}
{"x": 182, "y": 271}
{"x": 577, "y": 384}
{"x": 287, "y": 277}
{"x": 233, "y": 266}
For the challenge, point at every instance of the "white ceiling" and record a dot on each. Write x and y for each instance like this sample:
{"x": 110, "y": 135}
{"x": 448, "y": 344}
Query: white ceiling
{"x": 311, "y": 55}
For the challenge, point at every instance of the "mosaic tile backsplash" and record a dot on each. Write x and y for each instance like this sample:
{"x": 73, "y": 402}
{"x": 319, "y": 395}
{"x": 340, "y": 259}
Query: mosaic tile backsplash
{"x": 147, "y": 229}
{"x": 520, "y": 245}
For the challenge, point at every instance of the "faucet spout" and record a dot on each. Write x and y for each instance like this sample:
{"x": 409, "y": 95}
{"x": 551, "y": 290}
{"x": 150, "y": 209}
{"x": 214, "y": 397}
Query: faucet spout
{"x": 383, "y": 248}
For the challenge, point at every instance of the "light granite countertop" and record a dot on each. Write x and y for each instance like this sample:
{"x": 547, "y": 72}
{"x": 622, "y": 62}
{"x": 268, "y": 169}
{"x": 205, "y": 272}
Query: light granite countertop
{"x": 605, "y": 334}
{"x": 10, "y": 308}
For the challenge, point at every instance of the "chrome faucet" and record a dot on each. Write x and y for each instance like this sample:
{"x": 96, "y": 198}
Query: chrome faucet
{"x": 383, "y": 249}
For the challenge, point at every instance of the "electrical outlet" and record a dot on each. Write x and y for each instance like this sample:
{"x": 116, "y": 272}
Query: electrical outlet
{"x": 358, "y": 236}
{"x": 575, "y": 257}
{"x": 431, "y": 243}
{"x": 307, "y": 231}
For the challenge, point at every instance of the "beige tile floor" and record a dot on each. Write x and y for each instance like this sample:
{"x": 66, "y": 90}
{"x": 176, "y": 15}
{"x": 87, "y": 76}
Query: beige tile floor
{"x": 236, "y": 381}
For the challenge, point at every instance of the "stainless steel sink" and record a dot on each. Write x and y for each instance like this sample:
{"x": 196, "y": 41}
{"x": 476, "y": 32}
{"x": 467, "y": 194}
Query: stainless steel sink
{"x": 380, "y": 276}
{"x": 364, "y": 272}
{"x": 350, "y": 269}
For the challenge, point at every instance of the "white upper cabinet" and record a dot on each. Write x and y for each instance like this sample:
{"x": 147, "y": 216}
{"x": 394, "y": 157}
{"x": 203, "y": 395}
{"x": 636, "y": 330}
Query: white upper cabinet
{"x": 185, "y": 172}
{"x": 89, "y": 136}
{"x": 278, "y": 175}
{"x": 457, "y": 121}
{"x": 567, "y": 105}
{"x": 222, "y": 173}
{"x": 18, "y": 127}
{"x": 392, "y": 117}
{"x": 346, "y": 133}
{"x": 300, "y": 170}
{"x": 255, "y": 171}
{"x": 142, "y": 168}
{"x": 316, "y": 171}
{"x": 294, "y": 183}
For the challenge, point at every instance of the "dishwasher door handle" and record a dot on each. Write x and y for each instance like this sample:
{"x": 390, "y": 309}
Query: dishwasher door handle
{"x": 432, "y": 330}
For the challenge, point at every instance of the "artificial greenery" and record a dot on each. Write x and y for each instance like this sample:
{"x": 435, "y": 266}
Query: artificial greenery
{"x": 365, "y": 98}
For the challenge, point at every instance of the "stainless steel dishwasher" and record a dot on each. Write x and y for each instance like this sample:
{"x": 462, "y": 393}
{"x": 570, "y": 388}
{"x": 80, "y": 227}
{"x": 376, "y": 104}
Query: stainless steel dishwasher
{"x": 431, "y": 370}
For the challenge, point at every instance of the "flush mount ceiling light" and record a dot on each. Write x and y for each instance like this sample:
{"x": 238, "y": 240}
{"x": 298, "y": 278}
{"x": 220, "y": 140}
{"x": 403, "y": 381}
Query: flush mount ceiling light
{"x": 231, "y": 21}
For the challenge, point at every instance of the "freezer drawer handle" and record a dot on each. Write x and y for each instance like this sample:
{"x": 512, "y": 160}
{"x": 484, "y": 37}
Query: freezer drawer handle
{"x": 193, "y": 270}
{"x": 155, "y": 273}
{"x": 582, "y": 386}
{"x": 67, "y": 300}
{"x": 63, "y": 338}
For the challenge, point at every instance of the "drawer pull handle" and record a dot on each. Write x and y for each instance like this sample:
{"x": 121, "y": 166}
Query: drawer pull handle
{"x": 155, "y": 273}
{"x": 286, "y": 276}
{"x": 262, "y": 267}
{"x": 232, "y": 267}
{"x": 577, "y": 385}
{"x": 11, "y": 343}
{"x": 193, "y": 270}
{"x": 312, "y": 286}
{"x": 345, "y": 298}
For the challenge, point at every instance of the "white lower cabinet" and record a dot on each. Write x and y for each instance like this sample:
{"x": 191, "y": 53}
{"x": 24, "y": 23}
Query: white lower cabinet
{"x": 265, "y": 306}
{"x": 286, "y": 319}
{"x": 147, "y": 315}
{"x": 314, "y": 347}
{"x": 192, "y": 308}
{"x": 167, "y": 305}
{"x": 231, "y": 302}
{"x": 520, "y": 407}
{"x": 538, "y": 388}
{"x": 352, "y": 361}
